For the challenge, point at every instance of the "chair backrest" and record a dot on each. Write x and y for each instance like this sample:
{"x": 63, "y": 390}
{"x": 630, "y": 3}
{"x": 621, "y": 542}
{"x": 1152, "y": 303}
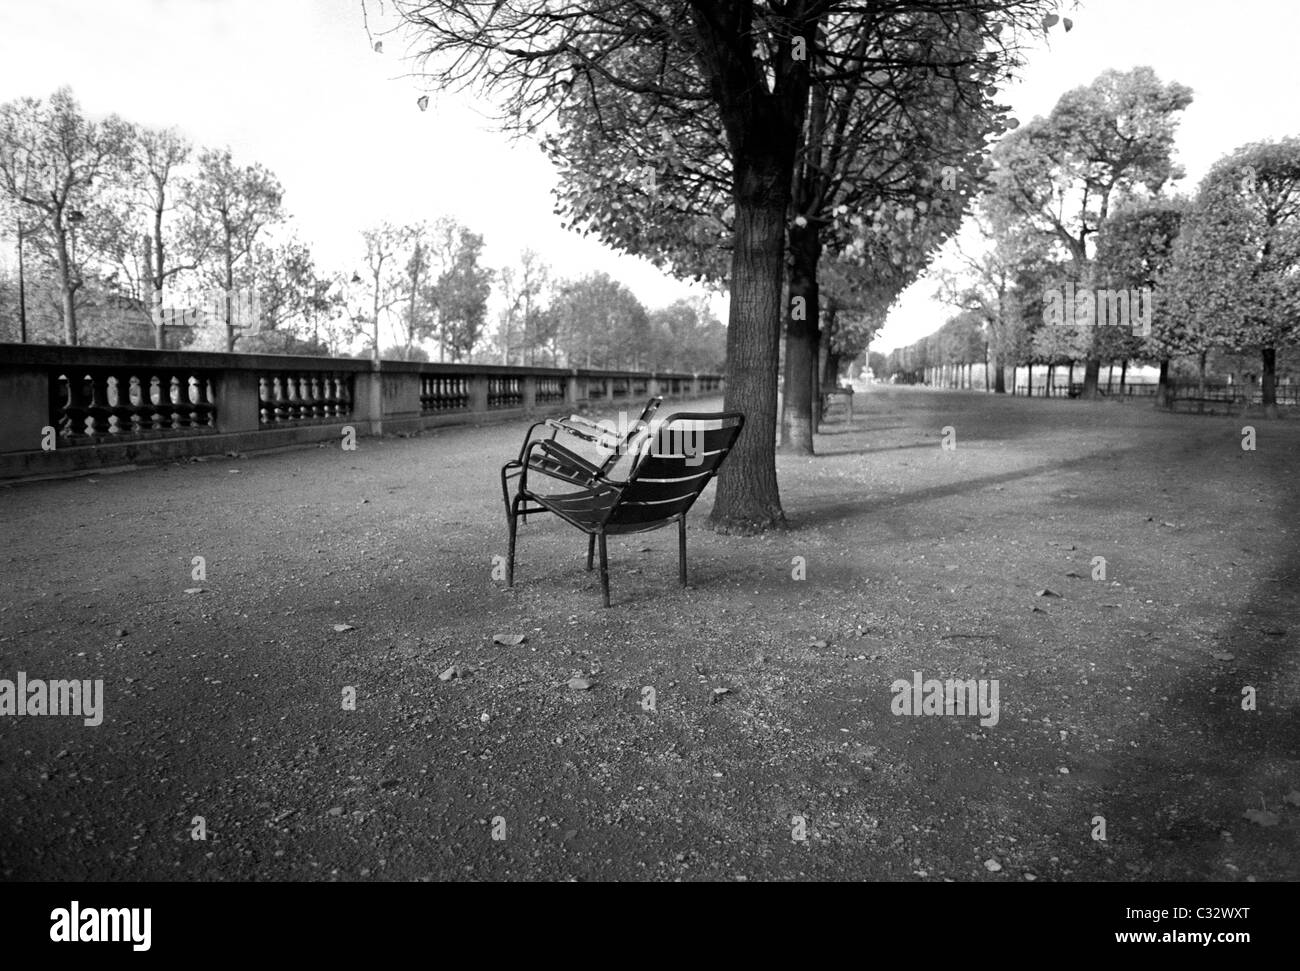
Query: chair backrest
{"x": 636, "y": 433}
{"x": 674, "y": 463}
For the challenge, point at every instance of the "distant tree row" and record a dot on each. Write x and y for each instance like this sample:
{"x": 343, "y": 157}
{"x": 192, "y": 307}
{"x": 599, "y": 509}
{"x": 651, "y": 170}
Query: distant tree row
{"x": 1083, "y": 256}
{"x": 131, "y": 234}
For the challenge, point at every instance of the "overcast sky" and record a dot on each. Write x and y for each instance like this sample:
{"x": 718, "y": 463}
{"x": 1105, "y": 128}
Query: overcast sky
{"x": 294, "y": 85}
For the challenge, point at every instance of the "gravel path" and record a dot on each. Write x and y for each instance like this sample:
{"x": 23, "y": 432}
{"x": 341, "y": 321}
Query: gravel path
{"x": 225, "y": 709}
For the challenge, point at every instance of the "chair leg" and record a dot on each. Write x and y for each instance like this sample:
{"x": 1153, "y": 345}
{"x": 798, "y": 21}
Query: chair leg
{"x": 505, "y": 487}
{"x": 681, "y": 549}
{"x": 591, "y": 549}
{"x": 604, "y": 571}
{"x": 510, "y": 557}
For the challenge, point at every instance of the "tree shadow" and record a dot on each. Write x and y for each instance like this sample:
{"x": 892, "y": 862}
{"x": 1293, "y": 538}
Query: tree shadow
{"x": 822, "y": 513}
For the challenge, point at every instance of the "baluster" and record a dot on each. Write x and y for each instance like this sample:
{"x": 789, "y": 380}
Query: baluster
{"x": 135, "y": 396}
{"x": 114, "y": 409}
{"x": 174, "y": 392}
{"x": 277, "y": 393}
{"x": 156, "y": 420}
{"x": 345, "y": 396}
{"x": 194, "y": 396}
{"x": 263, "y": 399}
{"x": 210, "y": 405}
{"x": 91, "y": 405}
{"x": 292, "y": 406}
{"x": 64, "y": 407}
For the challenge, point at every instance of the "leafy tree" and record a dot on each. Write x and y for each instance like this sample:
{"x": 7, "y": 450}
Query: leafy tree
{"x": 855, "y": 302}
{"x": 523, "y": 328}
{"x": 736, "y": 66}
{"x": 228, "y": 207}
{"x": 878, "y": 363}
{"x": 1135, "y": 248}
{"x": 685, "y": 336}
{"x": 461, "y": 291}
{"x": 602, "y": 323}
{"x": 984, "y": 281}
{"x": 51, "y": 161}
{"x": 385, "y": 245}
{"x": 405, "y": 352}
{"x": 158, "y": 155}
{"x": 1062, "y": 174}
{"x": 877, "y": 172}
{"x": 1233, "y": 281}
{"x": 289, "y": 288}
{"x": 418, "y": 314}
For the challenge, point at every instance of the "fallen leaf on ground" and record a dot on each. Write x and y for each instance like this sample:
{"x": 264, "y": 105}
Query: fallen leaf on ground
{"x": 1221, "y": 656}
{"x": 342, "y": 628}
{"x": 1047, "y": 593}
{"x": 194, "y": 590}
{"x": 581, "y": 684}
{"x": 1261, "y": 817}
{"x": 509, "y": 640}
{"x": 992, "y": 865}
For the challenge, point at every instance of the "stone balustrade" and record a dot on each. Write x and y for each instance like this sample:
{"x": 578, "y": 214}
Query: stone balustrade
{"x": 68, "y": 408}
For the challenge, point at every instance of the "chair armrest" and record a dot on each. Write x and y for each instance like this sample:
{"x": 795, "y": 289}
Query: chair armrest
{"x": 582, "y": 470}
{"x": 596, "y": 434}
{"x": 569, "y": 457}
{"x": 528, "y": 437}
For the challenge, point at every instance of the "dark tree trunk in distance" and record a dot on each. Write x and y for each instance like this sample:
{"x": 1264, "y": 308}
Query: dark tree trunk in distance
{"x": 1268, "y": 381}
{"x": 801, "y": 341}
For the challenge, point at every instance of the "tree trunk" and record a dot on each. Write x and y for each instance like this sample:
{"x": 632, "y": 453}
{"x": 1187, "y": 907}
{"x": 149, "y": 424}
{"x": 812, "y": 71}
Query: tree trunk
{"x": 1123, "y": 376}
{"x": 1268, "y": 382}
{"x": 1163, "y": 391}
{"x": 153, "y": 261}
{"x": 1200, "y": 379}
{"x": 66, "y": 285}
{"x": 230, "y": 303}
{"x": 156, "y": 312}
{"x": 999, "y": 377}
{"x": 748, "y": 499}
{"x": 827, "y": 370}
{"x": 1051, "y": 381}
{"x": 801, "y": 324}
{"x": 1091, "y": 376}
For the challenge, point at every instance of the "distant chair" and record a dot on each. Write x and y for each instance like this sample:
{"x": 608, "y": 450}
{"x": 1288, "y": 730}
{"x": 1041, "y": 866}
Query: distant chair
{"x": 659, "y": 487}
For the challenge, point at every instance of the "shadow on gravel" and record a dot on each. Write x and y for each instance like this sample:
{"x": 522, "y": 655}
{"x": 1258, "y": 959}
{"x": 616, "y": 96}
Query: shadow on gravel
{"x": 829, "y": 510}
